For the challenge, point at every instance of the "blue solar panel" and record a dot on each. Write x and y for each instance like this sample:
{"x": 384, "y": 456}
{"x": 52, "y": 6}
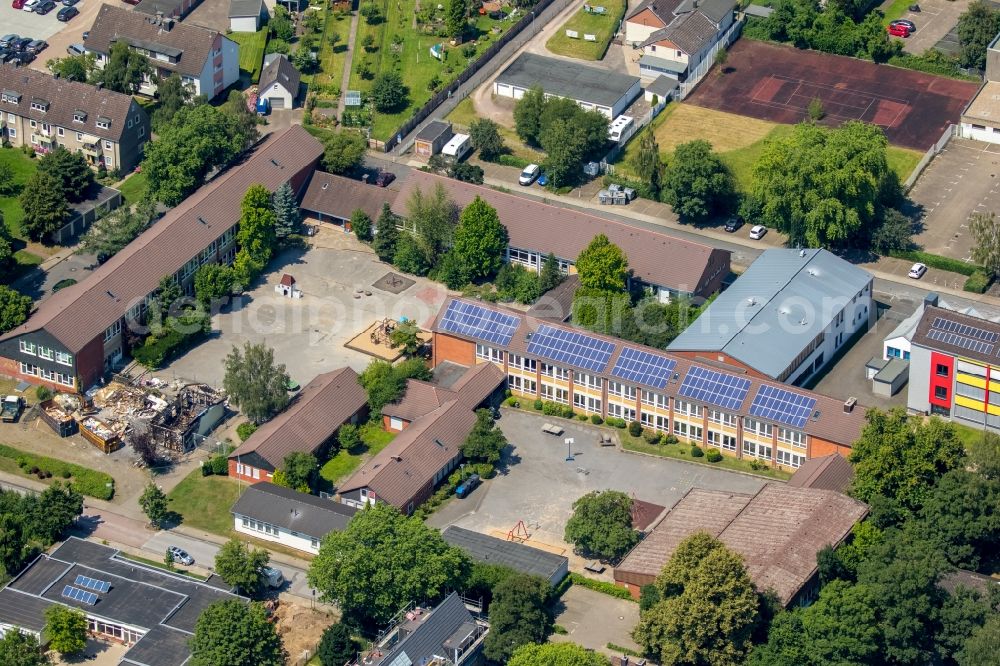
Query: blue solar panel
{"x": 635, "y": 365}
{"x": 778, "y": 404}
{"x": 76, "y": 594}
{"x": 92, "y": 584}
{"x": 714, "y": 387}
{"x": 478, "y": 322}
{"x": 571, "y": 348}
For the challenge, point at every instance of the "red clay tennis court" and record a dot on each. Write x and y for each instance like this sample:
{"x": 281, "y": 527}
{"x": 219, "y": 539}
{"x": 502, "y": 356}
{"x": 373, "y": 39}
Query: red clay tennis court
{"x": 777, "y": 83}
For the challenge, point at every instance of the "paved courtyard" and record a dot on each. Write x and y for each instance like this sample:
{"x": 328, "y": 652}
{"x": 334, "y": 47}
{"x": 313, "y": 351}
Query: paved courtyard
{"x": 593, "y": 620}
{"x": 960, "y": 181}
{"x": 308, "y": 334}
{"x": 540, "y": 485}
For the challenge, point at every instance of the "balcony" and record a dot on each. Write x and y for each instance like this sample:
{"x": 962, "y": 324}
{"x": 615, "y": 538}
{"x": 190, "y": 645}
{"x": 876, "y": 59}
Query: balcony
{"x": 91, "y": 148}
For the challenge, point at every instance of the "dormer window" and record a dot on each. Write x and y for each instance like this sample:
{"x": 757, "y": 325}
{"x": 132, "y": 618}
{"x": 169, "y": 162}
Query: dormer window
{"x": 39, "y": 105}
{"x": 103, "y": 123}
{"x": 10, "y": 97}
{"x": 79, "y": 116}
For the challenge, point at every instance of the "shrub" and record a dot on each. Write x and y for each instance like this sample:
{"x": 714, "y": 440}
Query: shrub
{"x": 538, "y": 405}
{"x": 937, "y": 261}
{"x": 696, "y": 451}
{"x": 670, "y": 439}
{"x": 652, "y": 436}
{"x": 635, "y": 428}
{"x": 33, "y": 470}
{"x": 85, "y": 481}
{"x": 206, "y": 468}
{"x": 713, "y": 456}
{"x": 620, "y": 423}
{"x": 551, "y": 409}
{"x": 757, "y": 465}
{"x": 582, "y": 417}
{"x": 567, "y": 412}
{"x": 245, "y": 429}
{"x": 43, "y": 393}
{"x": 978, "y": 282}
{"x": 601, "y": 586}
{"x": 65, "y": 474}
{"x": 513, "y": 161}
{"x": 512, "y": 402}
{"x": 596, "y": 419}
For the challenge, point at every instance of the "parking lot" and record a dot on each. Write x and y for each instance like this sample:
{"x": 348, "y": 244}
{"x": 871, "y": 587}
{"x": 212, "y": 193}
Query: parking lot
{"x": 308, "y": 334}
{"x": 935, "y": 20}
{"x": 960, "y": 181}
{"x": 30, "y": 24}
{"x": 540, "y": 485}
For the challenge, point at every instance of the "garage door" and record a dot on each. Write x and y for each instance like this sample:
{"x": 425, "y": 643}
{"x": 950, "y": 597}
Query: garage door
{"x": 276, "y": 102}
{"x": 503, "y": 90}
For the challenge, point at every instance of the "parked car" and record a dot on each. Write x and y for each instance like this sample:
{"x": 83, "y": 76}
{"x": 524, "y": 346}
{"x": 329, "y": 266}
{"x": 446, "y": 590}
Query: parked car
{"x": 909, "y": 25}
{"x": 66, "y": 13}
{"x": 75, "y": 49}
{"x": 467, "y": 486}
{"x": 543, "y": 180}
{"x": 5, "y": 55}
{"x": 12, "y": 406}
{"x": 733, "y": 224}
{"x": 384, "y": 178}
{"x": 899, "y": 31}
{"x": 45, "y": 7}
{"x": 757, "y": 231}
{"x": 17, "y": 4}
{"x": 36, "y": 46}
{"x": 21, "y": 58}
{"x": 20, "y": 44}
{"x": 273, "y": 577}
{"x": 29, "y": 5}
{"x": 86, "y": 33}
{"x": 7, "y": 40}
{"x": 917, "y": 271}
{"x": 530, "y": 173}
{"x": 180, "y": 555}
{"x": 70, "y": 3}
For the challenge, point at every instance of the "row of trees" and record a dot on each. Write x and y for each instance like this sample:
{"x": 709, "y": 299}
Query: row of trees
{"x": 31, "y": 523}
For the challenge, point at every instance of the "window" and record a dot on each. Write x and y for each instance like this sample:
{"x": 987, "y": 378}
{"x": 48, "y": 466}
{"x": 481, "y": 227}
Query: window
{"x": 680, "y": 428}
{"x": 521, "y": 384}
{"x": 64, "y": 358}
{"x": 107, "y": 145}
{"x": 314, "y": 543}
{"x": 587, "y": 403}
{"x": 142, "y": 130}
{"x": 942, "y": 370}
{"x": 28, "y": 369}
{"x": 130, "y": 124}
{"x": 555, "y": 394}
{"x": 33, "y": 124}
{"x": 79, "y": 118}
{"x": 59, "y": 131}
{"x": 685, "y": 408}
{"x": 789, "y": 459}
{"x": 554, "y": 371}
{"x": 521, "y": 362}
{"x": 79, "y": 136}
{"x": 621, "y": 390}
{"x": 488, "y": 353}
{"x": 46, "y": 353}
{"x": 27, "y": 347}
{"x": 621, "y": 412}
{"x": 758, "y": 428}
{"x": 587, "y": 381}
{"x": 655, "y": 400}
{"x": 940, "y": 392}
{"x": 793, "y": 437}
{"x": 724, "y": 418}
{"x": 113, "y": 330}
{"x": 721, "y": 440}
{"x": 39, "y": 106}
{"x": 11, "y": 132}
{"x": 103, "y": 124}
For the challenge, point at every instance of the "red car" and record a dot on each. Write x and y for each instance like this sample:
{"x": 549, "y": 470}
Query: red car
{"x": 898, "y": 30}
{"x": 17, "y": 4}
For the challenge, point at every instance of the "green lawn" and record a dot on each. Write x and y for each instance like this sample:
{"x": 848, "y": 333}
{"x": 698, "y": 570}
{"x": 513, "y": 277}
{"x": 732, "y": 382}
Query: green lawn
{"x": 585, "y": 23}
{"x": 903, "y": 161}
{"x": 896, "y": 10}
{"x": 464, "y": 113}
{"x": 332, "y": 59}
{"x": 741, "y": 161}
{"x": 84, "y": 480}
{"x": 344, "y": 463}
{"x": 683, "y": 452}
{"x": 968, "y": 435}
{"x": 134, "y": 187}
{"x": 22, "y": 166}
{"x": 203, "y": 502}
{"x": 252, "y": 45}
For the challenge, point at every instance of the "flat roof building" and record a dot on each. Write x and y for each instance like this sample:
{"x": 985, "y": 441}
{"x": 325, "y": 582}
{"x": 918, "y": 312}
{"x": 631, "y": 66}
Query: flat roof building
{"x": 785, "y": 317}
{"x": 517, "y": 556}
{"x": 594, "y": 89}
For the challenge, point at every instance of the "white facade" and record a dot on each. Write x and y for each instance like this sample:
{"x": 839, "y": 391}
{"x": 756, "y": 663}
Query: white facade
{"x": 278, "y": 96}
{"x": 517, "y": 92}
{"x": 637, "y": 33}
{"x": 979, "y": 132}
{"x": 244, "y": 23}
{"x": 261, "y": 530}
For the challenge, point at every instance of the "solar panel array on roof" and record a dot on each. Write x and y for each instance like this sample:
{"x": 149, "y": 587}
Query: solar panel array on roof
{"x": 92, "y": 584}
{"x": 965, "y": 329}
{"x": 571, "y": 347}
{"x": 714, "y": 387}
{"x": 476, "y": 321}
{"x": 960, "y": 341}
{"x": 76, "y": 594}
{"x": 636, "y": 365}
{"x": 778, "y": 404}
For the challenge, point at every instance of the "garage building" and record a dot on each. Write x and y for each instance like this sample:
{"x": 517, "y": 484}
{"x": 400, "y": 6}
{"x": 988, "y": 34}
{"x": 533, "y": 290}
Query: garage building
{"x": 279, "y": 82}
{"x": 245, "y": 15}
{"x": 590, "y": 87}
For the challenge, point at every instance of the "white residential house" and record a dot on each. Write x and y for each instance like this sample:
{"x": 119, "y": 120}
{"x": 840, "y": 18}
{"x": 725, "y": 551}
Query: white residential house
{"x": 675, "y": 36}
{"x": 279, "y": 82}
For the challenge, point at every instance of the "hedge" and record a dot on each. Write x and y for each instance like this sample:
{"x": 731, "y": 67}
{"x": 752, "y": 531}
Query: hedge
{"x": 601, "y": 586}
{"x": 937, "y": 261}
{"x": 978, "y": 282}
{"x": 512, "y": 160}
{"x": 448, "y": 488}
{"x": 85, "y": 481}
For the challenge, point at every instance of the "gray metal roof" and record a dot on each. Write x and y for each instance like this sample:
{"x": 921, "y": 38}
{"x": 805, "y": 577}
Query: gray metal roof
{"x": 240, "y": 8}
{"x": 892, "y": 371}
{"x": 567, "y": 79}
{"x": 662, "y": 64}
{"x": 661, "y": 85}
{"x": 429, "y": 636}
{"x": 716, "y": 10}
{"x": 776, "y": 308}
{"x": 517, "y": 556}
{"x": 299, "y": 512}
{"x": 23, "y": 610}
{"x": 433, "y": 130}
{"x": 688, "y": 32}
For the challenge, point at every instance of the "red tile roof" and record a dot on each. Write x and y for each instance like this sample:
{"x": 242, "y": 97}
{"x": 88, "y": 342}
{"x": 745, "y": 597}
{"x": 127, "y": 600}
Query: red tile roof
{"x": 471, "y": 389}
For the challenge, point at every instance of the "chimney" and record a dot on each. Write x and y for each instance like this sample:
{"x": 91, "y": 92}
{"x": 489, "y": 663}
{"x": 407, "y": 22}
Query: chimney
{"x": 168, "y": 23}
{"x": 364, "y": 179}
{"x": 849, "y": 404}
{"x": 931, "y": 299}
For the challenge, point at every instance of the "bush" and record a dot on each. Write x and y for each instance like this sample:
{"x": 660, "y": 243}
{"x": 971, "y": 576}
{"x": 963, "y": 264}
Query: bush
{"x": 513, "y": 161}
{"x": 567, "y": 412}
{"x": 635, "y": 429}
{"x": 512, "y": 402}
{"x": 551, "y": 409}
{"x": 937, "y": 261}
{"x": 713, "y": 456}
{"x": 65, "y": 474}
{"x": 758, "y": 465}
{"x": 43, "y": 393}
{"x": 219, "y": 465}
{"x": 245, "y": 429}
{"x": 616, "y": 422}
{"x": 652, "y": 436}
{"x": 596, "y": 419}
{"x": 582, "y": 417}
{"x": 978, "y": 282}
{"x": 601, "y": 586}
{"x": 696, "y": 451}
{"x": 538, "y": 405}
{"x": 85, "y": 481}
{"x": 671, "y": 439}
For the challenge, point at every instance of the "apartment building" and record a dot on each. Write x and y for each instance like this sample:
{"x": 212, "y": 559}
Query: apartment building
{"x": 78, "y": 333}
{"x": 45, "y": 112}
{"x": 206, "y": 60}
{"x": 700, "y": 401}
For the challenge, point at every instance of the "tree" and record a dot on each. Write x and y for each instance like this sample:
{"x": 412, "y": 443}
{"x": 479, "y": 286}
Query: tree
{"x": 54, "y": 512}
{"x": 388, "y": 92}
{"x": 902, "y": 457}
{"x": 343, "y": 151}
{"x": 556, "y": 654}
{"x": 71, "y": 169}
{"x": 305, "y": 60}
{"x": 172, "y": 94}
{"x": 551, "y": 275}
{"x": 601, "y": 525}
{"x": 465, "y": 172}
{"x": 154, "y": 504}
{"x": 985, "y": 230}
{"x": 433, "y": 217}
{"x": 371, "y": 12}
{"x": 486, "y": 138}
{"x": 213, "y": 282}
{"x": 399, "y": 558}
{"x": 286, "y": 212}
{"x": 348, "y": 437}
{"x": 281, "y": 25}
{"x": 241, "y": 119}
{"x": 721, "y": 57}
{"x": 602, "y": 266}
{"x": 565, "y": 147}
{"x": 255, "y": 383}
{"x": 21, "y": 649}
{"x": 111, "y": 233}
{"x": 976, "y": 29}
{"x": 528, "y": 115}
{"x": 983, "y": 645}
{"x": 361, "y": 225}
{"x": 709, "y": 607}
{"x": 256, "y": 234}
{"x": 895, "y": 232}
{"x": 387, "y": 234}
{"x": 486, "y": 441}
{"x": 697, "y": 183}
{"x": 825, "y": 187}
{"x": 144, "y": 445}
{"x": 456, "y": 19}
{"x": 8, "y": 182}
{"x": 384, "y": 383}
{"x": 231, "y": 633}
{"x": 74, "y": 68}
{"x": 518, "y": 616}
{"x": 337, "y": 646}
{"x": 406, "y": 335}
{"x": 962, "y": 613}
{"x": 65, "y": 629}
{"x": 14, "y": 308}
{"x": 480, "y": 239}
{"x": 242, "y": 566}
{"x": 124, "y": 70}
{"x": 298, "y": 471}
{"x": 647, "y": 163}
{"x": 961, "y": 515}
{"x": 44, "y": 205}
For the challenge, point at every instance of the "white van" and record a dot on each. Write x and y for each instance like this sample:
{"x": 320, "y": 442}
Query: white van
{"x": 273, "y": 577}
{"x": 618, "y": 127}
{"x": 458, "y": 147}
{"x": 529, "y": 174}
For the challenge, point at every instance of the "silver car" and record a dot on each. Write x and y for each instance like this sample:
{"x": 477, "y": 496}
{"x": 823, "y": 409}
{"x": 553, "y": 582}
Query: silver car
{"x": 180, "y": 555}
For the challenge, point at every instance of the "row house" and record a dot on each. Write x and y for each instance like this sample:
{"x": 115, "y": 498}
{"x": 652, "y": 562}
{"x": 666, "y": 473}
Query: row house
{"x": 207, "y": 61}
{"x": 44, "y": 112}
{"x": 78, "y": 333}
{"x": 696, "y": 400}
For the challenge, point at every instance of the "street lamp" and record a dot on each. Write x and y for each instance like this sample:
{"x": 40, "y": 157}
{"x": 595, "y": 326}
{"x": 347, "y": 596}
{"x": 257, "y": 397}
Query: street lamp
{"x": 462, "y": 466}
{"x": 569, "y": 449}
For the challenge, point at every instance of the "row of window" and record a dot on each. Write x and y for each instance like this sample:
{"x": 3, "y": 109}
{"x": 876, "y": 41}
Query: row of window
{"x": 116, "y": 631}
{"x": 46, "y": 353}
{"x": 247, "y": 470}
{"x": 259, "y": 526}
{"x": 57, "y": 377}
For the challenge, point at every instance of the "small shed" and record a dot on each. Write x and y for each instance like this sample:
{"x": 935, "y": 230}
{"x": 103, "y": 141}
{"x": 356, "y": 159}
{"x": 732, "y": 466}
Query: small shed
{"x": 662, "y": 87}
{"x": 887, "y": 375}
{"x": 246, "y": 15}
{"x": 286, "y": 287}
{"x": 432, "y": 138}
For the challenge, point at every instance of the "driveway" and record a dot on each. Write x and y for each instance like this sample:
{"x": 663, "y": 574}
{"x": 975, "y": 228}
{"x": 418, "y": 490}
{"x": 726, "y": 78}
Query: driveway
{"x": 60, "y": 35}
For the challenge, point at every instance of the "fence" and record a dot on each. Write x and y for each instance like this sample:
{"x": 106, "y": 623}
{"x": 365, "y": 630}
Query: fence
{"x": 632, "y": 130}
{"x": 476, "y": 73}
{"x": 694, "y": 77}
{"x": 949, "y": 132}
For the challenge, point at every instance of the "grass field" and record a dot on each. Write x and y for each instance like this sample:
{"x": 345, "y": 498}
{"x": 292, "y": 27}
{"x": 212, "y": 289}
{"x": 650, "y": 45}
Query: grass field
{"x": 344, "y": 463}
{"x": 332, "y": 58}
{"x": 465, "y": 112}
{"x": 134, "y": 187}
{"x": 22, "y": 166}
{"x": 683, "y": 452}
{"x": 84, "y": 480}
{"x": 896, "y": 10}
{"x": 585, "y": 23}
{"x": 203, "y": 502}
{"x": 252, "y": 45}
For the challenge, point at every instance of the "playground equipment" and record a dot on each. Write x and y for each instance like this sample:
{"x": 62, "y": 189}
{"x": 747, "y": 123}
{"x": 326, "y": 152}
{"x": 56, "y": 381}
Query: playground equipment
{"x": 519, "y": 532}
{"x": 380, "y": 336}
